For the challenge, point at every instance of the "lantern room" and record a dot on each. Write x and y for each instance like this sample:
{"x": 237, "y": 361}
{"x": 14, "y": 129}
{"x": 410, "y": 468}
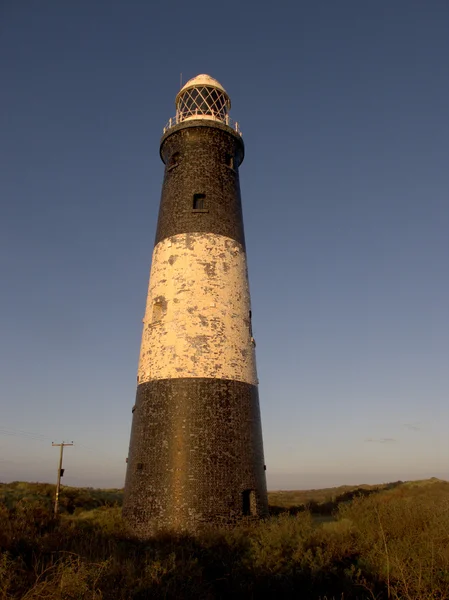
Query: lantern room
{"x": 202, "y": 97}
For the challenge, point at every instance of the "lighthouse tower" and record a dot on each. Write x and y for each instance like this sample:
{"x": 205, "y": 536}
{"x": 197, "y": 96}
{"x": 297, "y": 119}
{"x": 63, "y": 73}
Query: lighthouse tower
{"x": 196, "y": 452}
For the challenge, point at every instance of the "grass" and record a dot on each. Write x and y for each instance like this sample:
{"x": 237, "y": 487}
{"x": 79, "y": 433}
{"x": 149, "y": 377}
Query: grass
{"x": 384, "y": 542}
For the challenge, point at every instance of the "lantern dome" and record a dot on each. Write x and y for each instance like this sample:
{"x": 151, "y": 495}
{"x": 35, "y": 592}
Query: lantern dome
{"x": 202, "y": 97}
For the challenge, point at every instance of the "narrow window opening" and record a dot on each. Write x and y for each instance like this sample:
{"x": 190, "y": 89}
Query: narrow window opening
{"x": 139, "y": 467}
{"x": 157, "y": 312}
{"x": 250, "y": 316}
{"x": 229, "y": 160}
{"x": 159, "y": 308}
{"x": 174, "y": 160}
{"x": 249, "y": 503}
{"x": 199, "y": 201}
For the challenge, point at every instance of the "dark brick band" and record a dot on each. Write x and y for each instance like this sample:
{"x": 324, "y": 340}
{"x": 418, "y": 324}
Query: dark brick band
{"x": 201, "y": 161}
{"x": 196, "y": 456}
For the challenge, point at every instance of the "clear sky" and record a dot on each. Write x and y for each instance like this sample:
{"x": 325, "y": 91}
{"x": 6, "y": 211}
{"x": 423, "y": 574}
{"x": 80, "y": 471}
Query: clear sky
{"x": 344, "y": 108}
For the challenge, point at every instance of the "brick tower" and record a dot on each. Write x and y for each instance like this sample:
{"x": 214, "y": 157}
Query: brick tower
{"x": 196, "y": 452}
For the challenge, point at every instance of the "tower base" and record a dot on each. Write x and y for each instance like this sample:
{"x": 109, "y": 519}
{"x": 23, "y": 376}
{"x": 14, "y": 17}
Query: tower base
{"x": 181, "y": 478}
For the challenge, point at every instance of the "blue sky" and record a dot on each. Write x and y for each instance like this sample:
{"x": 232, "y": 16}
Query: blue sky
{"x": 345, "y": 185}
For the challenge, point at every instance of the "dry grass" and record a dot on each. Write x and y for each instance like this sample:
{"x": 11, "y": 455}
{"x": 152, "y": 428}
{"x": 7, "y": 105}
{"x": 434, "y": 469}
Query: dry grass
{"x": 393, "y": 543}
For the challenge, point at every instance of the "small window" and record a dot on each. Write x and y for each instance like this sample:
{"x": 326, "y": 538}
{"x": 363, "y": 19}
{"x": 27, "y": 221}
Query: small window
{"x": 229, "y": 160}
{"x": 174, "y": 160}
{"x": 199, "y": 201}
{"x": 249, "y": 503}
{"x": 157, "y": 312}
{"x": 139, "y": 467}
{"x": 159, "y": 309}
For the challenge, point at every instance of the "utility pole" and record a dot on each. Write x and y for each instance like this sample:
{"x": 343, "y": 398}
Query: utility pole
{"x": 60, "y": 473}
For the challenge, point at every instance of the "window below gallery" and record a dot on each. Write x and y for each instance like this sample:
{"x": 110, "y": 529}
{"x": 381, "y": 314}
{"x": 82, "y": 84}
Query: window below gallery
{"x": 174, "y": 160}
{"x": 199, "y": 203}
{"x": 229, "y": 160}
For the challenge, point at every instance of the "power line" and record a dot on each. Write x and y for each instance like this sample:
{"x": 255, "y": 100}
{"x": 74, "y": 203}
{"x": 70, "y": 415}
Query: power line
{"x": 24, "y": 434}
{"x": 43, "y": 438}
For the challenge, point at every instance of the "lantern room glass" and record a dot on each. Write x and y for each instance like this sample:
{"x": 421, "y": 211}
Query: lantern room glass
{"x": 203, "y": 100}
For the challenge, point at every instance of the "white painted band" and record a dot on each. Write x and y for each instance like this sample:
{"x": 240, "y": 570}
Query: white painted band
{"x": 197, "y": 321}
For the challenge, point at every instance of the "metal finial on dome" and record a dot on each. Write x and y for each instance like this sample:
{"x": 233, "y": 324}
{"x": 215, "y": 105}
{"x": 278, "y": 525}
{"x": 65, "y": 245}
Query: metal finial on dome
{"x": 202, "y": 97}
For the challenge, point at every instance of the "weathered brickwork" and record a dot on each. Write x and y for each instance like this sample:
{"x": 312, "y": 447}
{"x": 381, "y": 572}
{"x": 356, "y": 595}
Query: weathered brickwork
{"x": 202, "y": 151}
{"x": 196, "y": 451}
{"x": 197, "y": 320}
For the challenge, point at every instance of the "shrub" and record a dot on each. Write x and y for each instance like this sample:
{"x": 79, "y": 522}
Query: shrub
{"x": 389, "y": 544}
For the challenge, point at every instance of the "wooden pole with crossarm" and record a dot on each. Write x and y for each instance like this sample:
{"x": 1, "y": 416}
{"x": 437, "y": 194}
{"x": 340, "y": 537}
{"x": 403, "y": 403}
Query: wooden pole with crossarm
{"x": 60, "y": 473}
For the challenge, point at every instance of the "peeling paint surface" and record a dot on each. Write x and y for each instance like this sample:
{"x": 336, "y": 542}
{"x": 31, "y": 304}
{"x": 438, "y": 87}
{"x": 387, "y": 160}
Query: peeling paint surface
{"x": 197, "y": 318}
{"x": 196, "y": 449}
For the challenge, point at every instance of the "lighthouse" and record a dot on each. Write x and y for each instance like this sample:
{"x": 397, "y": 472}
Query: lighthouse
{"x": 196, "y": 452}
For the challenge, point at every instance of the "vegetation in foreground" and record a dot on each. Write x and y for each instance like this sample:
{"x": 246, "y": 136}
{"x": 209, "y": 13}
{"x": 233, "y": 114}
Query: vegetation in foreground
{"x": 385, "y": 542}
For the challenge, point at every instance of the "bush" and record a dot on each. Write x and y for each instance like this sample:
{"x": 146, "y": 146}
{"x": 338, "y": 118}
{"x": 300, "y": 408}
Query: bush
{"x": 404, "y": 541}
{"x": 391, "y": 544}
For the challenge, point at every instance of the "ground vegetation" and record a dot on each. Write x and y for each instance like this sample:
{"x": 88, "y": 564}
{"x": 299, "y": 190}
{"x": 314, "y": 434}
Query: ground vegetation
{"x": 368, "y": 542}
